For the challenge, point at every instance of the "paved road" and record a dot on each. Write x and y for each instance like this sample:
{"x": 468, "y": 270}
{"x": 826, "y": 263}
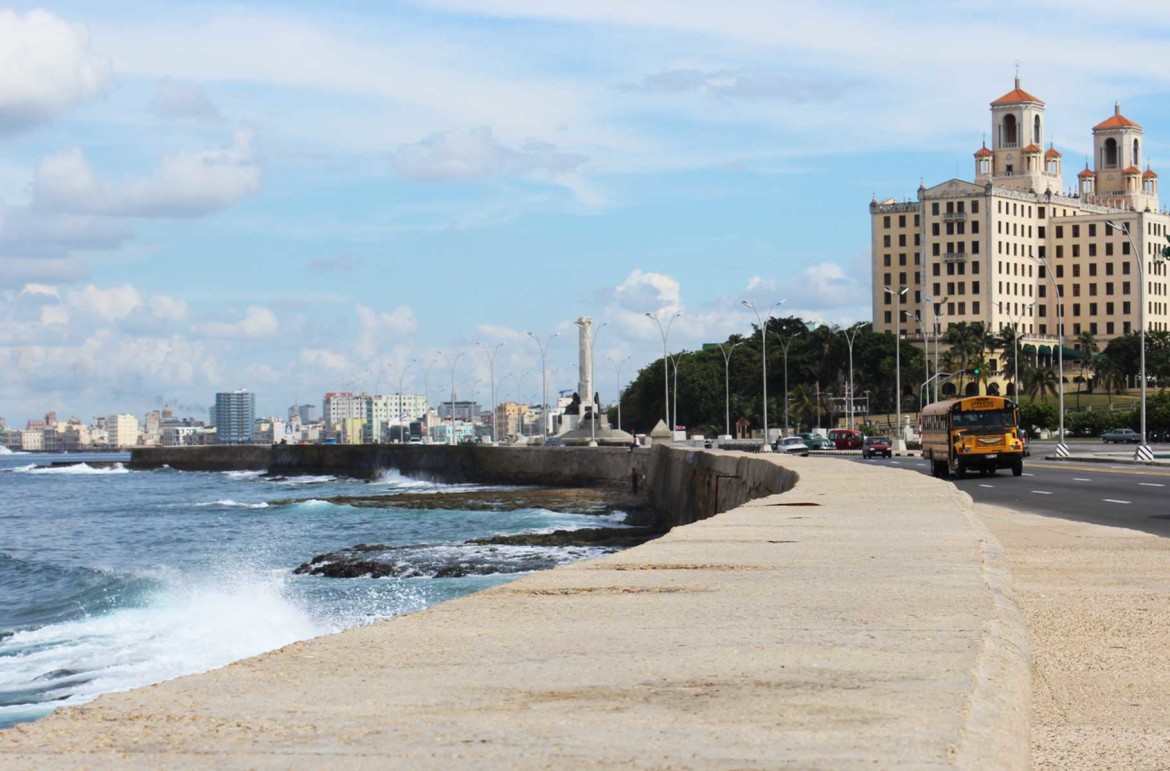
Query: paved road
{"x": 1121, "y": 495}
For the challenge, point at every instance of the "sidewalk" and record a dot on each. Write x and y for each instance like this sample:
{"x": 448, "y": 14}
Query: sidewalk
{"x": 862, "y": 619}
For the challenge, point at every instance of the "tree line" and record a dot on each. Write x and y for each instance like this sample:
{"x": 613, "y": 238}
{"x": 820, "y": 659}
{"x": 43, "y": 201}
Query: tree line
{"x": 814, "y": 361}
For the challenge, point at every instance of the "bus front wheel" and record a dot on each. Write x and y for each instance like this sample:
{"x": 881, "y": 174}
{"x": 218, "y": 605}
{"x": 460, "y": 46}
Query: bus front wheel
{"x": 960, "y": 469}
{"x": 938, "y": 468}
{"x": 1017, "y": 468}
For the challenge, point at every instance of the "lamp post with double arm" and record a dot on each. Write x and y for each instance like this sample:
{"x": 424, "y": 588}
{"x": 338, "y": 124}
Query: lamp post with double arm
{"x": 1005, "y": 309}
{"x": 1061, "y": 447}
{"x": 543, "y": 348}
{"x": 665, "y": 333}
{"x": 727, "y": 350}
{"x": 785, "y": 342}
{"x": 899, "y": 440}
{"x": 763, "y": 324}
{"x": 617, "y": 375}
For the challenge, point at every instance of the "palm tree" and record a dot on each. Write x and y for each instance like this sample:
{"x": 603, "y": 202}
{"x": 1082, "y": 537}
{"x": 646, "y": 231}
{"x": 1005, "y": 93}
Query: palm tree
{"x": 805, "y": 405}
{"x": 1042, "y": 383}
{"x": 1088, "y": 346}
{"x": 1007, "y": 342}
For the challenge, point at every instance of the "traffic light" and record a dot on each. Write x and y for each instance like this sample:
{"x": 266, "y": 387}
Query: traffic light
{"x": 976, "y": 371}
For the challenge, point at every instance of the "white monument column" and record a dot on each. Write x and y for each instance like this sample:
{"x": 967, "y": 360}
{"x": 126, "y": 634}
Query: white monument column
{"x": 585, "y": 361}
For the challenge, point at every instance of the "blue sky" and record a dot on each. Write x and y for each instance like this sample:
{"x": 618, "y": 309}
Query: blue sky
{"x": 296, "y": 197}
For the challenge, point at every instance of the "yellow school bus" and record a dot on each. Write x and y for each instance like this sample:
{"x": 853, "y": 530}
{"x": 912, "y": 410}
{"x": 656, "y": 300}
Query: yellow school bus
{"x": 976, "y": 433}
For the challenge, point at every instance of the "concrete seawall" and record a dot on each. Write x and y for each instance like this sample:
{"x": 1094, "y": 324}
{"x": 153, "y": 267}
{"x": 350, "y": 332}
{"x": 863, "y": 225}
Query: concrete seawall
{"x": 861, "y": 618}
{"x": 683, "y": 486}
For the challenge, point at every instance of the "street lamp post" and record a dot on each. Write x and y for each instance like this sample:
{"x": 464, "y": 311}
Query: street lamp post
{"x": 936, "y": 326}
{"x": 1061, "y": 447}
{"x": 899, "y": 441}
{"x": 451, "y": 363}
{"x": 1015, "y": 319}
{"x": 617, "y": 376}
{"x": 543, "y": 348}
{"x": 427, "y": 388}
{"x": 665, "y": 333}
{"x": 763, "y": 324}
{"x": 401, "y": 407}
{"x": 784, "y": 343}
{"x": 1143, "y": 451}
{"x": 849, "y": 341}
{"x": 491, "y": 356}
{"x": 675, "y": 358}
{"x": 727, "y": 386}
{"x": 926, "y": 360}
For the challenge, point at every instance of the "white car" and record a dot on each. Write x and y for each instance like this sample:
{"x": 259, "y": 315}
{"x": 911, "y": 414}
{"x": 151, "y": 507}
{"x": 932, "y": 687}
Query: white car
{"x": 791, "y": 445}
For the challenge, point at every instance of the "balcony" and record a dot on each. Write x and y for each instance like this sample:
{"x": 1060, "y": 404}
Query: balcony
{"x": 955, "y": 257}
{"x": 955, "y": 216}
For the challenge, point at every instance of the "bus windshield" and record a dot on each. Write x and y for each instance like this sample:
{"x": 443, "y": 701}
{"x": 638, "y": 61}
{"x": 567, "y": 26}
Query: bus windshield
{"x": 984, "y": 419}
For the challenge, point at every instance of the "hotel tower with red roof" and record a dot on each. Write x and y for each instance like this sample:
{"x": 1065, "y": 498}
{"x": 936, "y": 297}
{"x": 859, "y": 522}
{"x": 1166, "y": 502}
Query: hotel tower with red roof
{"x": 976, "y": 250}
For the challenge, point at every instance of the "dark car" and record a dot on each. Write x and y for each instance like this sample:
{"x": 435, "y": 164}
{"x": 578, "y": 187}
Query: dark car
{"x": 875, "y": 446}
{"x": 1119, "y": 435}
{"x": 554, "y": 441}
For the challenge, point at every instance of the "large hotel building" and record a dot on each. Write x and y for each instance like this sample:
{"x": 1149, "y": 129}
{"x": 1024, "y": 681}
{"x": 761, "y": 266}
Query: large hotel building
{"x": 976, "y": 251}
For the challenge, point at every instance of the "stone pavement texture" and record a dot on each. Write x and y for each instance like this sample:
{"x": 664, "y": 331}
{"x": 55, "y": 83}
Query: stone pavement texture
{"x": 1097, "y": 601}
{"x": 863, "y": 619}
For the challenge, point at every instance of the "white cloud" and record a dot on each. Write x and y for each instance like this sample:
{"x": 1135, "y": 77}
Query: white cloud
{"x": 47, "y": 68}
{"x": 478, "y": 153}
{"x": 379, "y": 332}
{"x": 649, "y": 292}
{"x": 324, "y": 359}
{"x": 178, "y": 100}
{"x": 257, "y": 323}
{"x": 190, "y": 183}
{"x": 104, "y": 305}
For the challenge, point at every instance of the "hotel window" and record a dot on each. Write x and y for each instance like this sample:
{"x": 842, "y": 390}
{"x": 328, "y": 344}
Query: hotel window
{"x": 974, "y": 226}
{"x": 1060, "y": 271}
{"x": 1076, "y": 250}
{"x": 974, "y": 287}
{"x": 934, "y": 231}
{"x": 886, "y": 280}
{"x": 1093, "y": 289}
{"x": 1092, "y": 309}
{"x": 962, "y": 287}
{"x": 975, "y": 266}
{"x": 901, "y": 259}
{"x": 886, "y": 241}
{"x": 934, "y": 208}
{"x": 936, "y": 248}
{"x": 950, "y": 268}
{"x": 1125, "y": 289}
{"x": 917, "y": 240}
{"x": 1076, "y": 309}
{"x": 1108, "y": 248}
{"x": 962, "y": 309}
{"x": 1125, "y": 247}
{"x": 935, "y": 269}
{"x": 1076, "y": 290}
{"x": 901, "y": 239}
{"x": 1060, "y": 231}
{"x": 1092, "y": 268}
{"x": 1076, "y": 271}
{"x": 950, "y": 228}
{"x": 1108, "y": 327}
{"x": 888, "y": 316}
{"x": 1076, "y": 231}
{"x": 1125, "y": 268}
{"x": 936, "y": 291}
{"x": 1076, "y": 329}
{"x": 1040, "y": 231}
{"x": 1109, "y": 287}
{"x": 1108, "y": 309}
{"x": 975, "y": 307}
{"x": 1125, "y": 328}
{"x": 1059, "y": 252}
{"x": 901, "y": 220}
{"x": 951, "y": 288}
{"x": 885, "y": 260}
{"x": 1092, "y": 230}
{"x": 1126, "y": 309}
{"x": 915, "y": 220}
{"x": 1040, "y": 212}
{"x": 1092, "y": 250}
{"x": 974, "y": 207}
{"x": 950, "y": 309}
{"x": 974, "y": 247}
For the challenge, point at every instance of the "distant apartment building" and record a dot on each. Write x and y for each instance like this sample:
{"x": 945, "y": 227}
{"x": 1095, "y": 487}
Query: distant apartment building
{"x": 122, "y": 430}
{"x": 304, "y": 413}
{"x": 510, "y": 419}
{"x": 981, "y": 250}
{"x": 376, "y": 412}
{"x": 469, "y": 411}
{"x": 235, "y": 416}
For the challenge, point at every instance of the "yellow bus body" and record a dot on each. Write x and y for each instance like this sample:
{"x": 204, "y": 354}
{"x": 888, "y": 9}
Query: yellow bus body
{"x": 974, "y": 433}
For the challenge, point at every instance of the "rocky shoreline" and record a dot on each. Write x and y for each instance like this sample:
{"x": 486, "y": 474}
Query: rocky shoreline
{"x": 524, "y": 552}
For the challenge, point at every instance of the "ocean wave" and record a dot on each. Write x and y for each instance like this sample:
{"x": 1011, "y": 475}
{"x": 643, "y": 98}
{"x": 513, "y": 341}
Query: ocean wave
{"x": 393, "y": 476}
{"x": 243, "y": 474}
{"x": 5, "y": 451}
{"x": 80, "y": 469}
{"x": 229, "y": 503}
{"x": 305, "y": 480}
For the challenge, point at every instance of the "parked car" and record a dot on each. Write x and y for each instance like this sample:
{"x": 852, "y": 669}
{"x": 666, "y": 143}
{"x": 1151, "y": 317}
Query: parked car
{"x": 791, "y": 445}
{"x": 554, "y": 441}
{"x": 1120, "y": 435}
{"x": 846, "y": 438}
{"x": 817, "y": 442}
{"x": 877, "y": 445}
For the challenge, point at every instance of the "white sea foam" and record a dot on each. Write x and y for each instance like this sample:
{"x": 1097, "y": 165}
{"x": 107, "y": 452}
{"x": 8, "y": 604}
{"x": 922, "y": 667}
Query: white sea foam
{"x": 185, "y": 628}
{"x": 243, "y": 474}
{"x": 307, "y": 480}
{"x": 228, "y": 502}
{"x": 81, "y": 469}
{"x": 5, "y": 451}
{"x": 394, "y": 477}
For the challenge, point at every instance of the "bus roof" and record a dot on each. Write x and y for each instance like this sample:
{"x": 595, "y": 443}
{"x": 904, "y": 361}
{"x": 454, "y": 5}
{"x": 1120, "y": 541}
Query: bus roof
{"x": 968, "y": 403}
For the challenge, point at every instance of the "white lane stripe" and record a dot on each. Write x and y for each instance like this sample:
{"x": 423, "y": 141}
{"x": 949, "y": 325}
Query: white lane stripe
{"x": 1042, "y": 492}
{"x": 987, "y": 485}
{"x": 1029, "y": 475}
{"x": 1114, "y": 500}
{"x": 1081, "y": 479}
{"x": 1150, "y": 484}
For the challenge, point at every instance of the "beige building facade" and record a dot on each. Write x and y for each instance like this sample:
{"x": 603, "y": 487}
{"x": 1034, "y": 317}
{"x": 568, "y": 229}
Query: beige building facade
{"x": 981, "y": 250}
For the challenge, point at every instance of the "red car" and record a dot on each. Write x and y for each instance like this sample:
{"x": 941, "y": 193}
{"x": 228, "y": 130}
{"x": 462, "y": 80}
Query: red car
{"x": 876, "y": 445}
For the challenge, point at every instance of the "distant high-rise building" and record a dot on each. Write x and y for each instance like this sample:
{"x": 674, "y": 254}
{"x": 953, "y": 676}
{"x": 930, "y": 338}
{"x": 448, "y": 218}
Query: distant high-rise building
{"x": 122, "y": 430}
{"x": 307, "y": 413}
{"x": 235, "y": 414}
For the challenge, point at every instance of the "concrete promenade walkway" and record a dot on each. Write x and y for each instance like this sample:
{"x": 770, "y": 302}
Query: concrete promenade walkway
{"x": 861, "y": 620}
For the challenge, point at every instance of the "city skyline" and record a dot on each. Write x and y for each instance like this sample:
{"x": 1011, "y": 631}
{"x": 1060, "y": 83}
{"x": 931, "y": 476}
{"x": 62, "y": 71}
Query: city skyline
{"x": 290, "y": 200}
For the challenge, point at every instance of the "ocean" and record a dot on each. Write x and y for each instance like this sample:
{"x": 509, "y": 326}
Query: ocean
{"x": 112, "y": 579}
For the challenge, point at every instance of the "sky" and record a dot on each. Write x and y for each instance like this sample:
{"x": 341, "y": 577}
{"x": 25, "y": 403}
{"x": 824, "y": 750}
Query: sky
{"x": 295, "y": 197}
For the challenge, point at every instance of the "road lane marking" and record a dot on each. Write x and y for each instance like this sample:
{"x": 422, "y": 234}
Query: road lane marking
{"x": 1042, "y": 492}
{"x": 987, "y": 485}
{"x": 1114, "y": 500}
{"x": 1029, "y": 475}
{"x": 1150, "y": 484}
{"x": 1081, "y": 479}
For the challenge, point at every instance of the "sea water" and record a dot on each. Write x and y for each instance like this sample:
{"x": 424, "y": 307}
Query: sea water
{"x": 112, "y": 579}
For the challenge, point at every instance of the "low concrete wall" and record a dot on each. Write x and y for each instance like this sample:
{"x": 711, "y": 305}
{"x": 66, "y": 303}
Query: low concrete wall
{"x": 681, "y": 485}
